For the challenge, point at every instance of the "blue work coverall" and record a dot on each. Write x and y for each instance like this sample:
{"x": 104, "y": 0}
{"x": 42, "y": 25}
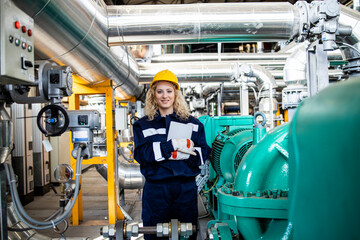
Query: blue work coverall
{"x": 170, "y": 190}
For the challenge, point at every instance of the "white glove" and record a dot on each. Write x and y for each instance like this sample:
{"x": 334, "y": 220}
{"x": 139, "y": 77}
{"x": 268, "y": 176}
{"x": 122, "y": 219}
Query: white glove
{"x": 175, "y": 155}
{"x": 184, "y": 145}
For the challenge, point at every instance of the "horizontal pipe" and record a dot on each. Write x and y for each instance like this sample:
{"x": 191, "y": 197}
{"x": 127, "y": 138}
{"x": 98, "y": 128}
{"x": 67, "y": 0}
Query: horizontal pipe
{"x": 129, "y": 175}
{"x": 195, "y": 23}
{"x": 187, "y": 57}
{"x": 205, "y": 72}
{"x": 194, "y": 57}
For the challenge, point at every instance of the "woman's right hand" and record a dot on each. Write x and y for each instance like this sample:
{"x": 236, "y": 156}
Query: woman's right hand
{"x": 184, "y": 145}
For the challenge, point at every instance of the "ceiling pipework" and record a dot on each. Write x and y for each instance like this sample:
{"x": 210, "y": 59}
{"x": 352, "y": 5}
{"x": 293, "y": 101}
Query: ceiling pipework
{"x": 195, "y": 23}
{"x": 75, "y": 33}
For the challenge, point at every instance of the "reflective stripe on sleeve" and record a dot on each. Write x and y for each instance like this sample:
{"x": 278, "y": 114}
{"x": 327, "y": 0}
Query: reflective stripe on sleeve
{"x": 152, "y": 131}
{"x": 199, "y": 151}
{"x": 157, "y": 152}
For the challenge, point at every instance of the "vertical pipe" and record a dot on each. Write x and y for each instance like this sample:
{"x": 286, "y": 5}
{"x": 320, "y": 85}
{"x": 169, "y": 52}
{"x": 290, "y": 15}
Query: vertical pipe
{"x": 356, "y": 5}
{"x": 219, "y": 51}
{"x": 244, "y": 99}
{"x": 220, "y": 94}
{"x": 271, "y": 106}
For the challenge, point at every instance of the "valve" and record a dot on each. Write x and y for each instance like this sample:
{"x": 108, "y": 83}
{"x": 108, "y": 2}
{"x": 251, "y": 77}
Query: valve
{"x": 55, "y": 118}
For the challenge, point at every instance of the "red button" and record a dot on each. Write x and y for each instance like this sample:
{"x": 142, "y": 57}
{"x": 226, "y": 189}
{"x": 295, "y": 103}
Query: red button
{"x": 29, "y": 32}
{"x": 23, "y": 29}
{"x": 17, "y": 24}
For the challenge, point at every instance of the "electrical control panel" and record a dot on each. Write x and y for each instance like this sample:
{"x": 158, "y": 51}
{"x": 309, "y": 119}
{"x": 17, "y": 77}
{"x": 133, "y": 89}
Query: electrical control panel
{"x": 16, "y": 45}
{"x": 84, "y": 119}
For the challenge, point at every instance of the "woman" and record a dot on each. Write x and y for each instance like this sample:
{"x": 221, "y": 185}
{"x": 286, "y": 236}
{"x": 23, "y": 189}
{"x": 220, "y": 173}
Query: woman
{"x": 168, "y": 165}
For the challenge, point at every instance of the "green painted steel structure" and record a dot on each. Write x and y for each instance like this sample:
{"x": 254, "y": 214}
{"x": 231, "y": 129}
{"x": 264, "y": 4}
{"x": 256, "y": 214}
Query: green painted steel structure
{"x": 325, "y": 164}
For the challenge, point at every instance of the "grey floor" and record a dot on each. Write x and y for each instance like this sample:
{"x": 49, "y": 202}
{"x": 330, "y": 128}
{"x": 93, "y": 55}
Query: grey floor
{"x": 94, "y": 209}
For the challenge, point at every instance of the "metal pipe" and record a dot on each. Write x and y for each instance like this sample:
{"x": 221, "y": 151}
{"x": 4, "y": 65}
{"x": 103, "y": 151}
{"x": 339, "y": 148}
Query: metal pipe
{"x": 244, "y": 99}
{"x": 194, "y": 23}
{"x": 219, "y": 99}
{"x": 75, "y": 33}
{"x": 193, "y": 71}
{"x": 129, "y": 174}
{"x": 194, "y": 57}
{"x": 5, "y": 136}
{"x": 264, "y": 78}
{"x": 350, "y": 17}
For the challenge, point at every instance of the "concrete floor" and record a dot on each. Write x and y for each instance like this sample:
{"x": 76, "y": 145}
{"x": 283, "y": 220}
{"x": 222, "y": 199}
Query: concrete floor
{"x": 94, "y": 209}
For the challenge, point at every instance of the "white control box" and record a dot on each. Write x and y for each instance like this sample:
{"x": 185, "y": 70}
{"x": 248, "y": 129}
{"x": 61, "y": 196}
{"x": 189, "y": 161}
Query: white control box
{"x": 16, "y": 45}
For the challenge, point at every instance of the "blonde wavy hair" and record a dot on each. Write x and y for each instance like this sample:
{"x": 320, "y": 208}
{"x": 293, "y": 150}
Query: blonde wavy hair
{"x": 180, "y": 106}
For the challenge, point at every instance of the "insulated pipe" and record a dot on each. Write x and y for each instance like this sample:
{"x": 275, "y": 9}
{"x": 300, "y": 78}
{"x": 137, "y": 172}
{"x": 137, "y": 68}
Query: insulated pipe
{"x": 350, "y": 17}
{"x": 195, "y": 23}
{"x": 129, "y": 175}
{"x": 207, "y": 72}
{"x": 75, "y": 33}
{"x": 196, "y": 71}
{"x": 264, "y": 78}
{"x": 192, "y": 57}
{"x": 295, "y": 67}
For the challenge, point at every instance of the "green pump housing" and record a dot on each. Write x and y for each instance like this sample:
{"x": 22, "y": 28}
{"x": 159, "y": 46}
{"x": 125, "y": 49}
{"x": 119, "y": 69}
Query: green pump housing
{"x": 298, "y": 181}
{"x": 250, "y": 175}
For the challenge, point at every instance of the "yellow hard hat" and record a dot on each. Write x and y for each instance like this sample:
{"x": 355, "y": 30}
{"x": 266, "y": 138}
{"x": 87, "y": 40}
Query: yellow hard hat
{"x": 165, "y": 75}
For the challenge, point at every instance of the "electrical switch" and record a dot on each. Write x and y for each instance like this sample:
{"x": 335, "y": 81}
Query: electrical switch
{"x": 25, "y": 64}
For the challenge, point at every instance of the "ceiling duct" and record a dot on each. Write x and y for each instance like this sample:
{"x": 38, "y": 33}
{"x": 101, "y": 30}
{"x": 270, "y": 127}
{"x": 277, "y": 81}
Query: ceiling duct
{"x": 192, "y": 57}
{"x": 195, "y": 23}
{"x": 75, "y": 33}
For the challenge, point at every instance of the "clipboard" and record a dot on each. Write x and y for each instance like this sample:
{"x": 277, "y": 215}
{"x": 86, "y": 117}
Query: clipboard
{"x": 179, "y": 130}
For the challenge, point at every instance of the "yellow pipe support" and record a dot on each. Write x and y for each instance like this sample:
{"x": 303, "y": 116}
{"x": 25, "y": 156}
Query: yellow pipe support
{"x": 74, "y": 104}
{"x": 286, "y": 115}
{"x": 278, "y": 114}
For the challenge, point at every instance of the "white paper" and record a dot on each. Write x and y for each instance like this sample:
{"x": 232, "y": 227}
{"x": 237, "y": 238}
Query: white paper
{"x": 47, "y": 145}
{"x": 179, "y": 130}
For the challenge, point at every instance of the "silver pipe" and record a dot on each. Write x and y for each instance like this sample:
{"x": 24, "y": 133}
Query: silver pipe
{"x": 219, "y": 99}
{"x": 192, "y": 57}
{"x": 194, "y": 23}
{"x": 295, "y": 67}
{"x": 206, "y": 72}
{"x": 264, "y": 77}
{"x": 193, "y": 71}
{"x": 350, "y": 17}
{"x": 129, "y": 174}
{"x": 244, "y": 99}
{"x": 74, "y": 33}
{"x": 5, "y": 133}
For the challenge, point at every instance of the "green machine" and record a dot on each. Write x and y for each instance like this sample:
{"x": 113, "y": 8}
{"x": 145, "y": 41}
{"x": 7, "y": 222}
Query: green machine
{"x": 325, "y": 164}
{"x": 249, "y": 177}
{"x": 298, "y": 181}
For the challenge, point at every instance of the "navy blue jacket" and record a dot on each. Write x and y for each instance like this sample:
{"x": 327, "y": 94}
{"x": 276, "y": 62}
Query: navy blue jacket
{"x": 152, "y": 150}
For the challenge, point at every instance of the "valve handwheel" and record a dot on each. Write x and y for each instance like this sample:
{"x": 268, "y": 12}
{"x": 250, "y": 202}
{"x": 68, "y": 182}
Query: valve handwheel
{"x": 55, "y": 119}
